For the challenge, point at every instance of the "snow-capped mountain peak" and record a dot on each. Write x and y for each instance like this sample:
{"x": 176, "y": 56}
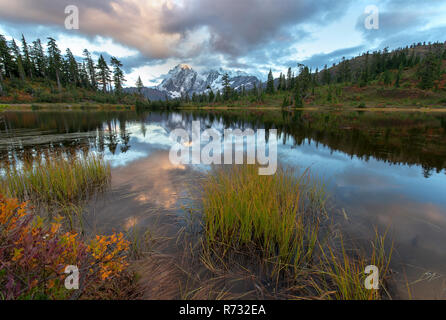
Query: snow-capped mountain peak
{"x": 184, "y": 80}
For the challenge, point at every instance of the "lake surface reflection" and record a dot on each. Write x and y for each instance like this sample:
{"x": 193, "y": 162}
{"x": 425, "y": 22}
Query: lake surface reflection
{"x": 383, "y": 170}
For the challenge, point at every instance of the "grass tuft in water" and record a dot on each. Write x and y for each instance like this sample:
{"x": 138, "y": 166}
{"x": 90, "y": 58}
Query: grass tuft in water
{"x": 277, "y": 228}
{"x": 56, "y": 180}
{"x": 245, "y": 210}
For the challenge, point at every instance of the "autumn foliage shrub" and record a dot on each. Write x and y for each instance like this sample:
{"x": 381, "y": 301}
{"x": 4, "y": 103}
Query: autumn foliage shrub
{"x": 34, "y": 255}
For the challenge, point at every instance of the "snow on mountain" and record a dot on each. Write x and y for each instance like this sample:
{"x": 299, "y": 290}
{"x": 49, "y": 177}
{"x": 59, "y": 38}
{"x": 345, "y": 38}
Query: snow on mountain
{"x": 183, "y": 80}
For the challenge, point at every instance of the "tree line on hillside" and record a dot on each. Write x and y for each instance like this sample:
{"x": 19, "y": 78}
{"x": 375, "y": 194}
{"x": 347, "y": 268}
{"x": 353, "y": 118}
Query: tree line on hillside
{"x": 360, "y": 71}
{"x": 24, "y": 62}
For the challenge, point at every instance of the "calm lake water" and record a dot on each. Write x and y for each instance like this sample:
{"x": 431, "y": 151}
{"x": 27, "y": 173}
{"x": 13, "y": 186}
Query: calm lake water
{"x": 384, "y": 170}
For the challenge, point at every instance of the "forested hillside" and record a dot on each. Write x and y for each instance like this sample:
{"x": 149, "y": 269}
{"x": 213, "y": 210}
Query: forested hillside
{"x": 28, "y": 73}
{"x": 410, "y": 76}
{"x": 414, "y": 75}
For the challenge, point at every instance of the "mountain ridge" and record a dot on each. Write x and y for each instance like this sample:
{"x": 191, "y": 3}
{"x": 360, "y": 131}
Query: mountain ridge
{"x": 183, "y": 80}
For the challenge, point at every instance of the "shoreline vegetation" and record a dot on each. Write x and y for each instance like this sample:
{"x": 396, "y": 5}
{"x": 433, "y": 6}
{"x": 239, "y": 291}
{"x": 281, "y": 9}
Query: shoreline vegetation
{"x": 122, "y": 107}
{"x": 411, "y": 77}
{"x": 41, "y": 232}
{"x": 274, "y": 230}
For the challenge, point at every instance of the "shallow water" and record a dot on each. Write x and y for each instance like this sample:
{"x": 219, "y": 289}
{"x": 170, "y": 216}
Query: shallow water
{"x": 381, "y": 170}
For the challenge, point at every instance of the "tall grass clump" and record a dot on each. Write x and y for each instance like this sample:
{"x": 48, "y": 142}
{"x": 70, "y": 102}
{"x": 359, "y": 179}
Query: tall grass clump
{"x": 277, "y": 228}
{"x": 56, "y": 180}
{"x": 243, "y": 210}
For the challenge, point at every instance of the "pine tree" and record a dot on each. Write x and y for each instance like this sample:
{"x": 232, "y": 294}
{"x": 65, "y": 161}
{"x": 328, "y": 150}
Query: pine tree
{"x": 298, "y": 103}
{"x": 6, "y": 59}
{"x": 289, "y": 79}
{"x": 39, "y": 59}
{"x": 27, "y": 64}
{"x": 103, "y": 73}
{"x": 91, "y": 69}
{"x": 226, "y": 87}
{"x": 83, "y": 75}
{"x": 428, "y": 71}
{"x": 365, "y": 72}
{"x": 304, "y": 79}
{"x": 139, "y": 85}
{"x": 118, "y": 75}
{"x": 18, "y": 60}
{"x": 283, "y": 82}
{"x": 54, "y": 61}
{"x": 71, "y": 69}
{"x": 270, "y": 83}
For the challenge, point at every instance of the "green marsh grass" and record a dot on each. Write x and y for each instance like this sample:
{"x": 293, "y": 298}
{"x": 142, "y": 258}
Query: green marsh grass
{"x": 268, "y": 213}
{"x": 56, "y": 180}
{"x": 279, "y": 224}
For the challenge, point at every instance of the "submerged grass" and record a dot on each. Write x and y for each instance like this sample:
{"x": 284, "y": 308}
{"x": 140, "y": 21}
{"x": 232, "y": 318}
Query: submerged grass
{"x": 341, "y": 274}
{"x": 279, "y": 224}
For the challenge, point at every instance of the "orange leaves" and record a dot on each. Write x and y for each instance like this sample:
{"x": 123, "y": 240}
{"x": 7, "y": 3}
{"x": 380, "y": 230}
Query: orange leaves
{"x": 11, "y": 211}
{"x": 38, "y": 252}
{"x": 108, "y": 254}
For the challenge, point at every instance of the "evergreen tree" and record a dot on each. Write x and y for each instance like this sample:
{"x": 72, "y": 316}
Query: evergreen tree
{"x": 54, "y": 61}
{"x": 91, "y": 69}
{"x": 365, "y": 72}
{"x": 139, "y": 85}
{"x": 298, "y": 103}
{"x": 226, "y": 87}
{"x": 289, "y": 79}
{"x": 103, "y": 73}
{"x": 118, "y": 75}
{"x": 83, "y": 75}
{"x": 304, "y": 79}
{"x": 283, "y": 82}
{"x": 71, "y": 69}
{"x": 428, "y": 71}
{"x": 27, "y": 63}
{"x": 18, "y": 60}
{"x": 279, "y": 85}
{"x": 39, "y": 59}
{"x": 270, "y": 83}
{"x": 6, "y": 59}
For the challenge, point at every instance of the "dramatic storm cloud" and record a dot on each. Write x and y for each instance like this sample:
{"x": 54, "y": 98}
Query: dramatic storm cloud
{"x": 254, "y": 35}
{"x": 235, "y": 26}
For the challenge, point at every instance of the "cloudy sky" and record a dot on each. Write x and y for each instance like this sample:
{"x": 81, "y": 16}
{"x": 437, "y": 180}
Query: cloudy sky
{"x": 152, "y": 36}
